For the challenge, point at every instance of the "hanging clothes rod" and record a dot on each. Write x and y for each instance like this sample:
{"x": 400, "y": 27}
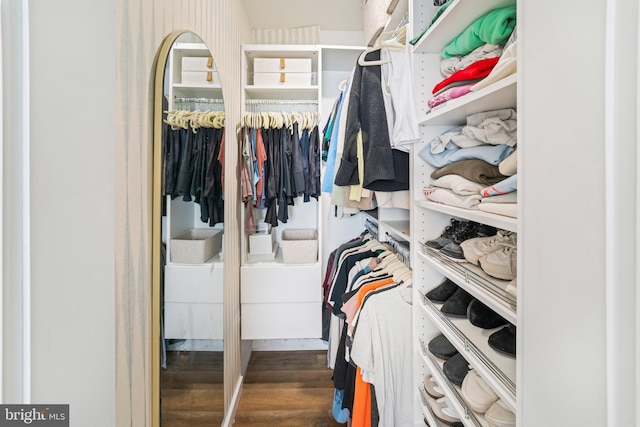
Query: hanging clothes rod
{"x": 372, "y": 228}
{"x": 199, "y": 100}
{"x": 401, "y": 247}
{"x": 281, "y": 102}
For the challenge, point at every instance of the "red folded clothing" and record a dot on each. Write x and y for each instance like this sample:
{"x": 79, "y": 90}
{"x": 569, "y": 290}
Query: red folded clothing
{"x": 478, "y": 70}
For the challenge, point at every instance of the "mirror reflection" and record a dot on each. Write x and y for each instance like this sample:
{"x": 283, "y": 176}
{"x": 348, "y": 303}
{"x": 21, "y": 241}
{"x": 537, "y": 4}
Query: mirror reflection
{"x": 191, "y": 377}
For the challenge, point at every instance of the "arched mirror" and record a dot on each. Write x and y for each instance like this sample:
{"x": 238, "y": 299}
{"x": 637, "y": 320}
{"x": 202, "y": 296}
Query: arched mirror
{"x": 189, "y": 125}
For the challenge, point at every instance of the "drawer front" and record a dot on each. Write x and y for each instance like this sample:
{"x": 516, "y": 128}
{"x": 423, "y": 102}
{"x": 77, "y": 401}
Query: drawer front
{"x": 200, "y": 78}
{"x": 193, "y": 321}
{"x": 284, "y": 65}
{"x": 281, "y": 284}
{"x": 281, "y": 320}
{"x": 197, "y": 284}
{"x": 282, "y": 79}
{"x": 198, "y": 63}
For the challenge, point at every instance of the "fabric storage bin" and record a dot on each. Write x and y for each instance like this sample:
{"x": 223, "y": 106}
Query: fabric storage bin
{"x": 299, "y": 246}
{"x": 196, "y": 246}
{"x": 261, "y": 243}
{"x": 200, "y": 77}
{"x": 282, "y": 65}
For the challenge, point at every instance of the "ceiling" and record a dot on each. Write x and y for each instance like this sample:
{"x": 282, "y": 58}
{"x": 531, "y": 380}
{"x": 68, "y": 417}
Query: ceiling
{"x": 330, "y": 15}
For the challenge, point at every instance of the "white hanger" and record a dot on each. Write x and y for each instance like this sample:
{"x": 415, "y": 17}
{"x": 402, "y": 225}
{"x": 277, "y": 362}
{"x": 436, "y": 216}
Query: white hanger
{"x": 397, "y": 42}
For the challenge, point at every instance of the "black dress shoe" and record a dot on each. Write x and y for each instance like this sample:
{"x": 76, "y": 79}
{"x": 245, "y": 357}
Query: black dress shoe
{"x": 456, "y": 305}
{"x": 504, "y": 340}
{"x": 442, "y": 292}
{"x": 441, "y": 347}
{"x": 483, "y": 317}
{"x": 456, "y": 368}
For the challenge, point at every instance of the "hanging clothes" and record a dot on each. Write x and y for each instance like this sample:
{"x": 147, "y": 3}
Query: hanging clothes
{"x": 281, "y": 155}
{"x": 191, "y": 160}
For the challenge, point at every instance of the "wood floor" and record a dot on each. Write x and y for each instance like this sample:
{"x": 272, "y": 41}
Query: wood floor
{"x": 191, "y": 392}
{"x": 287, "y": 388}
{"x": 281, "y": 388}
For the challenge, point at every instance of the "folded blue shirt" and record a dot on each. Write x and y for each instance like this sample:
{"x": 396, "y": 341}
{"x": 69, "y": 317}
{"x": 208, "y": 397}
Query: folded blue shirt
{"x": 492, "y": 154}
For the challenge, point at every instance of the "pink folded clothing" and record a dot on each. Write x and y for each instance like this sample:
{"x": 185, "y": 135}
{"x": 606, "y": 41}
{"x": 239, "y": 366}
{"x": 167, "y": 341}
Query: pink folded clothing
{"x": 455, "y": 92}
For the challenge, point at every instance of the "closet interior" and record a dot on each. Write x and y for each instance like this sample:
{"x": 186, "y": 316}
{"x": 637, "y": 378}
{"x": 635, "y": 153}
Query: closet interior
{"x": 382, "y": 178}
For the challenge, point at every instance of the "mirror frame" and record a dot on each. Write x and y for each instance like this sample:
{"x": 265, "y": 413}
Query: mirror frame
{"x": 156, "y": 220}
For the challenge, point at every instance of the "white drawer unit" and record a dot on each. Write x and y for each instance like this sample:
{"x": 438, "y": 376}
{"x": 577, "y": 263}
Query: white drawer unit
{"x": 281, "y": 303}
{"x": 193, "y": 321}
{"x": 193, "y": 301}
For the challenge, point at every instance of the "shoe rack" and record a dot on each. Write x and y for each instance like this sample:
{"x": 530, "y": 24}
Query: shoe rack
{"x": 429, "y": 219}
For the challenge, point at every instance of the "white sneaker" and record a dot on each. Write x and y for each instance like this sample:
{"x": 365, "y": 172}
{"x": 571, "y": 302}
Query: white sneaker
{"x": 477, "y": 247}
{"x": 501, "y": 263}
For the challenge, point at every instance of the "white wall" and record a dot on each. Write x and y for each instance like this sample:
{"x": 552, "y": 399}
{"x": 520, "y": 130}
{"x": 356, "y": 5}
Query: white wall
{"x": 72, "y": 83}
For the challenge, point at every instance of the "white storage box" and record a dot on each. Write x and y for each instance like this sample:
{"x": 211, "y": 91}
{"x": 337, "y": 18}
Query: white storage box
{"x": 196, "y": 246}
{"x": 200, "y": 78}
{"x": 299, "y": 246}
{"x": 282, "y": 79}
{"x": 282, "y": 65}
{"x": 261, "y": 243}
{"x": 198, "y": 63}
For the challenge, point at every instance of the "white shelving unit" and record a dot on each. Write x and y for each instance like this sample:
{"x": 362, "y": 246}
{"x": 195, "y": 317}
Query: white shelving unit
{"x": 428, "y": 219}
{"x": 278, "y": 300}
{"x": 193, "y": 296}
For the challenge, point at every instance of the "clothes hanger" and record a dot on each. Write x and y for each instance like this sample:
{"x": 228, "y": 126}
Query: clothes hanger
{"x": 398, "y": 42}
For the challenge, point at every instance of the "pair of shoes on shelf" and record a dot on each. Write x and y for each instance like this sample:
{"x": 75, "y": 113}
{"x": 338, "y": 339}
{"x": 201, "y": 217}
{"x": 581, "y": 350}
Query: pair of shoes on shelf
{"x": 498, "y": 415}
{"x": 501, "y": 264}
{"x": 444, "y": 411}
{"x": 453, "y": 298}
{"x": 476, "y": 393}
{"x": 504, "y": 340}
{"x": 448, "y": 243}
{"x": 477, "y": 247}
{"x": 442, "y": 292}
{"x": 482, "y": 316}
{"x": 441, "y": 347}
{"x": 432, "y": 388}
{"x": 455, "y": 366}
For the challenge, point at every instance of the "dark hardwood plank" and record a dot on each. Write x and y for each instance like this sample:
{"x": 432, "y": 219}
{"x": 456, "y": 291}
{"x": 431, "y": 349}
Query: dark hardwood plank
{"x": 281, "y": 388}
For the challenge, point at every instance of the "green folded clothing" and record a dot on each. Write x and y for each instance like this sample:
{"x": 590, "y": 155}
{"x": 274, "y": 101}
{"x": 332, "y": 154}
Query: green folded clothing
{"x": 495, "y": 27}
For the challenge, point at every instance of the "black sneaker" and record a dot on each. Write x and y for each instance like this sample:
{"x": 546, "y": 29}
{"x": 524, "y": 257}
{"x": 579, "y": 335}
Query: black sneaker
{"x": 454, "y": 251}
{"x": 442, "y": 292}
{"x": 447, "y": 235}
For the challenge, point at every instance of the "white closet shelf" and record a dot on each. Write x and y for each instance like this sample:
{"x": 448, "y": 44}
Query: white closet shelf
{"x": 200, "y": 91}
{"x": 426, "y": 408}
{"x": 501, "y": 94}
{"x": 466, "y": 415}
{"x": 453, "y": 21}
{"x": 281, "y": 92}
{"x": 277, "y": 262}
{"x": 399, "y": 227}
{"x": 499, "y": 221}
{"x": 475, "y": 281}
{"x": 199, "y": 48}
{"x": 499, "y": 371}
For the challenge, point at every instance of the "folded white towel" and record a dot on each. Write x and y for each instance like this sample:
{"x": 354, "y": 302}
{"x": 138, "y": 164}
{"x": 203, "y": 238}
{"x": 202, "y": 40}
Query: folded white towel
{"x": 458, "y": 184}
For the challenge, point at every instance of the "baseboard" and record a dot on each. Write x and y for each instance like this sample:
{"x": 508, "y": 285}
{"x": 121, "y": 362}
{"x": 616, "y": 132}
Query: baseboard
{"x": 196, "y": 345}
{"x": 288, "y": 345}
{"x": 233, "y": 404}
